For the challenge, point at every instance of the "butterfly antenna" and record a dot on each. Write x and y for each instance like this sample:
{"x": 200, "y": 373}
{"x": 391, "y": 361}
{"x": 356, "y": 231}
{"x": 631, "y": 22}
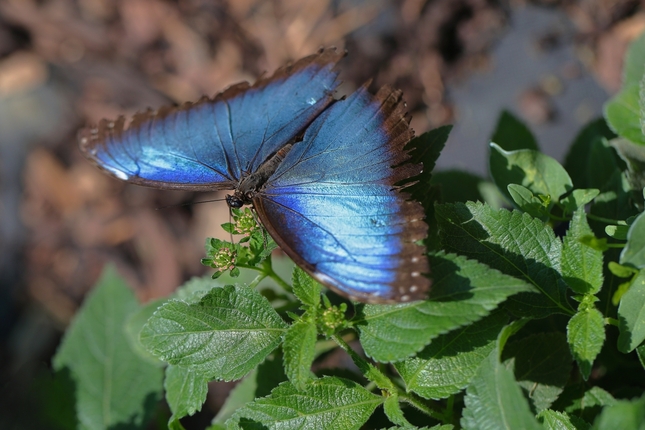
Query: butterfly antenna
{"x": 187, "y": 204}
{"x": 230, "y": 221}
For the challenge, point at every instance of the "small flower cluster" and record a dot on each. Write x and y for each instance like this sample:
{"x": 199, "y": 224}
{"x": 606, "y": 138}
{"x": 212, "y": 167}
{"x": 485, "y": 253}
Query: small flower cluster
{"x": 333, "y": 318}
{"x": 244, "y": 222}
{"x": 224, "y": 259}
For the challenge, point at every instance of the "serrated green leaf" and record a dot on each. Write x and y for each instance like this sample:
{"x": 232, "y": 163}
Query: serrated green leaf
{"x": 623, "y": 415}
{"x": 298, "y": 347}
{"x": 114, "y": 385}
{"x": 224, "y": 336}
{"x": 392, "y": 409}
{"x": 511, "y": 133}
{"x": 326, "y": 403}
{"x": 448, "y": 364}
{"x": 494, "y": 400}
{"x": 556, "y": 420}
{"x": 538, "y": 172}
{"x": 623, "y": 113}
{"x": 463, "y": 291}
{"x": 634, "y": 252}
{"x": 513, "y": 243}
{"x": 369, "y": 371}
{"x": 578, "y": 160}
{"x": 631, "y": 315}
{"x": 527, "y": 202}
{"x": 542, "y": 366}
{"x": 581, "y": 264}
{"x": 185, "y": 391}
{"x": 258, "y": 383}
{"x": 305, "y": 288}
{"x": 579, "y": 198}
{"x": 586, "y": 336}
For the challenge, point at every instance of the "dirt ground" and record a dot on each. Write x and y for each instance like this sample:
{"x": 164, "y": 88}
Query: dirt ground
{"x": 67, "y": 63}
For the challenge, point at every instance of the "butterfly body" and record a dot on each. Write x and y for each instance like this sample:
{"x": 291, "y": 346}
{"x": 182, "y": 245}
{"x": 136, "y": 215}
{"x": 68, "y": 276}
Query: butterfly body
{"x": 318, "y": 171}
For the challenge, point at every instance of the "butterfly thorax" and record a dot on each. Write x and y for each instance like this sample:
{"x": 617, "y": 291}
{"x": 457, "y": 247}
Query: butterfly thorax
{"x": 252, "y": 183}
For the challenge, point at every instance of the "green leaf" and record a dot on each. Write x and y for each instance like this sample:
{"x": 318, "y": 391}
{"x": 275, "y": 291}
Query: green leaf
{"x": 538, "y": 172}
{"x": 224, "y": 336}
{"x": 464, "y": 291}
{"x": 623, "y": 415}
{"x": 133, "y": 327}
{"x": 185, "y": 391}
{"x": 448, "y": 364}
{"x": 555, "y": 420}
{"x": 578, "y": 160}
{"x": 618, "y": 232}
{"x": 511, "y": 134}
{"x": 394, "y": 413}
{"x": 581, "y": 401}
{"x": 623, "y": 113}
{"x": 458, "y": 186}
{"x": 299, "y": 344}
{"x": 494, "y": 400}
{"x": 603, "y": 165}
{"x": 631, "y": 315}
{"x": 579, "y": 198}
{"x": 513, "y": 243}
{"x": 586, "y": 336}
{"x": 326, "y": 403}
{"x": 634, "y": 157}
{"x": 640, "y": 351}
{"x": 581, "y": 264}
{"x": 305, "y": 288}
{"x": 527, "y": 202}
{"x": 258, "y": 383}
{"x": 634, "y": 252}
{"x": 114, "y": 385}
{"x": 425, "y": 149}
{"x": 621, "y": 271}
{"x": 615, "y": 200}
{"x": 542, "y": 366}
{"x": 634, "y": 61}
{"x": 194, "y": 289}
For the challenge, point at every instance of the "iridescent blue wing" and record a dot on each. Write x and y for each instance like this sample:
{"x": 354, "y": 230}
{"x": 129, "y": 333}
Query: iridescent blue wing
{"x": 332, "y": 205}
{"x": 210, "y": 144}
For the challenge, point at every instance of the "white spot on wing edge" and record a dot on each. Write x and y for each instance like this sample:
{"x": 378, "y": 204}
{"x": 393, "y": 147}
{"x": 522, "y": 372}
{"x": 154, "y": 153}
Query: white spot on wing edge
{"x": 118, "y": 173}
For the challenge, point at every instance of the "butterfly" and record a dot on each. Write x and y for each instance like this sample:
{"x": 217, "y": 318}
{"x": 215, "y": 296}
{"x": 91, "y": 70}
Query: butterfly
{"x": 320, "y": 173}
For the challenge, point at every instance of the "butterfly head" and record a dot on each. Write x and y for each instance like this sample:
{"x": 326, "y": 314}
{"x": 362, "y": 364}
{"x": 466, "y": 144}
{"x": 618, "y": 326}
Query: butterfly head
{"x": 239, "y": 199}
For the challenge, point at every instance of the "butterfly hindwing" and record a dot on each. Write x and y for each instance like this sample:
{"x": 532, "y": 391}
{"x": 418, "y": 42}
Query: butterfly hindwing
{"x": 333, "y": 207}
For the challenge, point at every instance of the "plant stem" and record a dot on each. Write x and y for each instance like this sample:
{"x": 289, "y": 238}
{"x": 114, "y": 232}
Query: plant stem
{"x": 603, "y": 219}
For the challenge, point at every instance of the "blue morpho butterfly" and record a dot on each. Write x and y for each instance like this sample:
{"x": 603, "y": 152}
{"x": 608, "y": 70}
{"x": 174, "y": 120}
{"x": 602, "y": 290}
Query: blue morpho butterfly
{"x": 318, "y": 171}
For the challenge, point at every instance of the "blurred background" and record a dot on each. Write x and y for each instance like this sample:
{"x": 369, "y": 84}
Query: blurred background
{"x": 67, "y": 63}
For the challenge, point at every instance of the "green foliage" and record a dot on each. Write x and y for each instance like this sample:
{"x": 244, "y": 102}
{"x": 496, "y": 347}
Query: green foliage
{"x": 535, "y": 318}
{"x": 113, "y": 386}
